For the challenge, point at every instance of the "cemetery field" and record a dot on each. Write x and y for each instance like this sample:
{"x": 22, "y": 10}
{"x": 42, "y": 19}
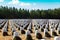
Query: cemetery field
{"x": 38, "y": 29}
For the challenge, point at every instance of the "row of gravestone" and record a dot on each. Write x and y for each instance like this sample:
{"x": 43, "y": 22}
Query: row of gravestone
{"x": 29, "y": 29}
{"x": 45, "y": 30}
{"x": 2, "y": 23}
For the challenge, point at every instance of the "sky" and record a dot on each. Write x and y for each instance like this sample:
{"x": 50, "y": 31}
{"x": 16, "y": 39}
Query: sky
{"x": 31, "y": 4}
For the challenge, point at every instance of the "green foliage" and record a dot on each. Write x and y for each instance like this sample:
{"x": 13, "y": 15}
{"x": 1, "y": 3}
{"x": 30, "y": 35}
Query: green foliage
{"x": 14, "y": 13}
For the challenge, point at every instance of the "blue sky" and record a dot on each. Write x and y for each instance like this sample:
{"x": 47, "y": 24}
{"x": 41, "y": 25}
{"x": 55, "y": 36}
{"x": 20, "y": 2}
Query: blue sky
{"x": 31, "y": 4}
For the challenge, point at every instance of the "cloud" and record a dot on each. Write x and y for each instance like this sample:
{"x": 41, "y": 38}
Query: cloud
{"x": 24, "y": 4}
{"x": 27, "y": 4}
{"x": 14, "y": 2}
{"x": 1, "y": 0}
{"x": 17, "y": 2}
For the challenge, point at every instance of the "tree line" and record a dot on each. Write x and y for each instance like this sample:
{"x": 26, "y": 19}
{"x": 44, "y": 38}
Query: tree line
{"x": 14, "y": 13}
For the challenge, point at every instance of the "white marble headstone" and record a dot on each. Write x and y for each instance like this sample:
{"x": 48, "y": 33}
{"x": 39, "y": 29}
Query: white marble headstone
{"x": 25, "y": 25}
{"x": 51, "y": 30}
{"x": 36, "y": 32}
{"x": 56, "y": 38}
{"x": 21, "y": 28}
{"x": 46, "y": 26}
{"x": 58, "y": 29}
{"x": 35, "y": 28}
{"x": 29, "y": 27}
{"x": 13, "y": 29}
{"x": 42, "y": 39}
{"x": 4, "y": 30}
{"x": 15, "y": 34}
{"x": 45, "y": 30}
{"x": 27, "y": 32}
